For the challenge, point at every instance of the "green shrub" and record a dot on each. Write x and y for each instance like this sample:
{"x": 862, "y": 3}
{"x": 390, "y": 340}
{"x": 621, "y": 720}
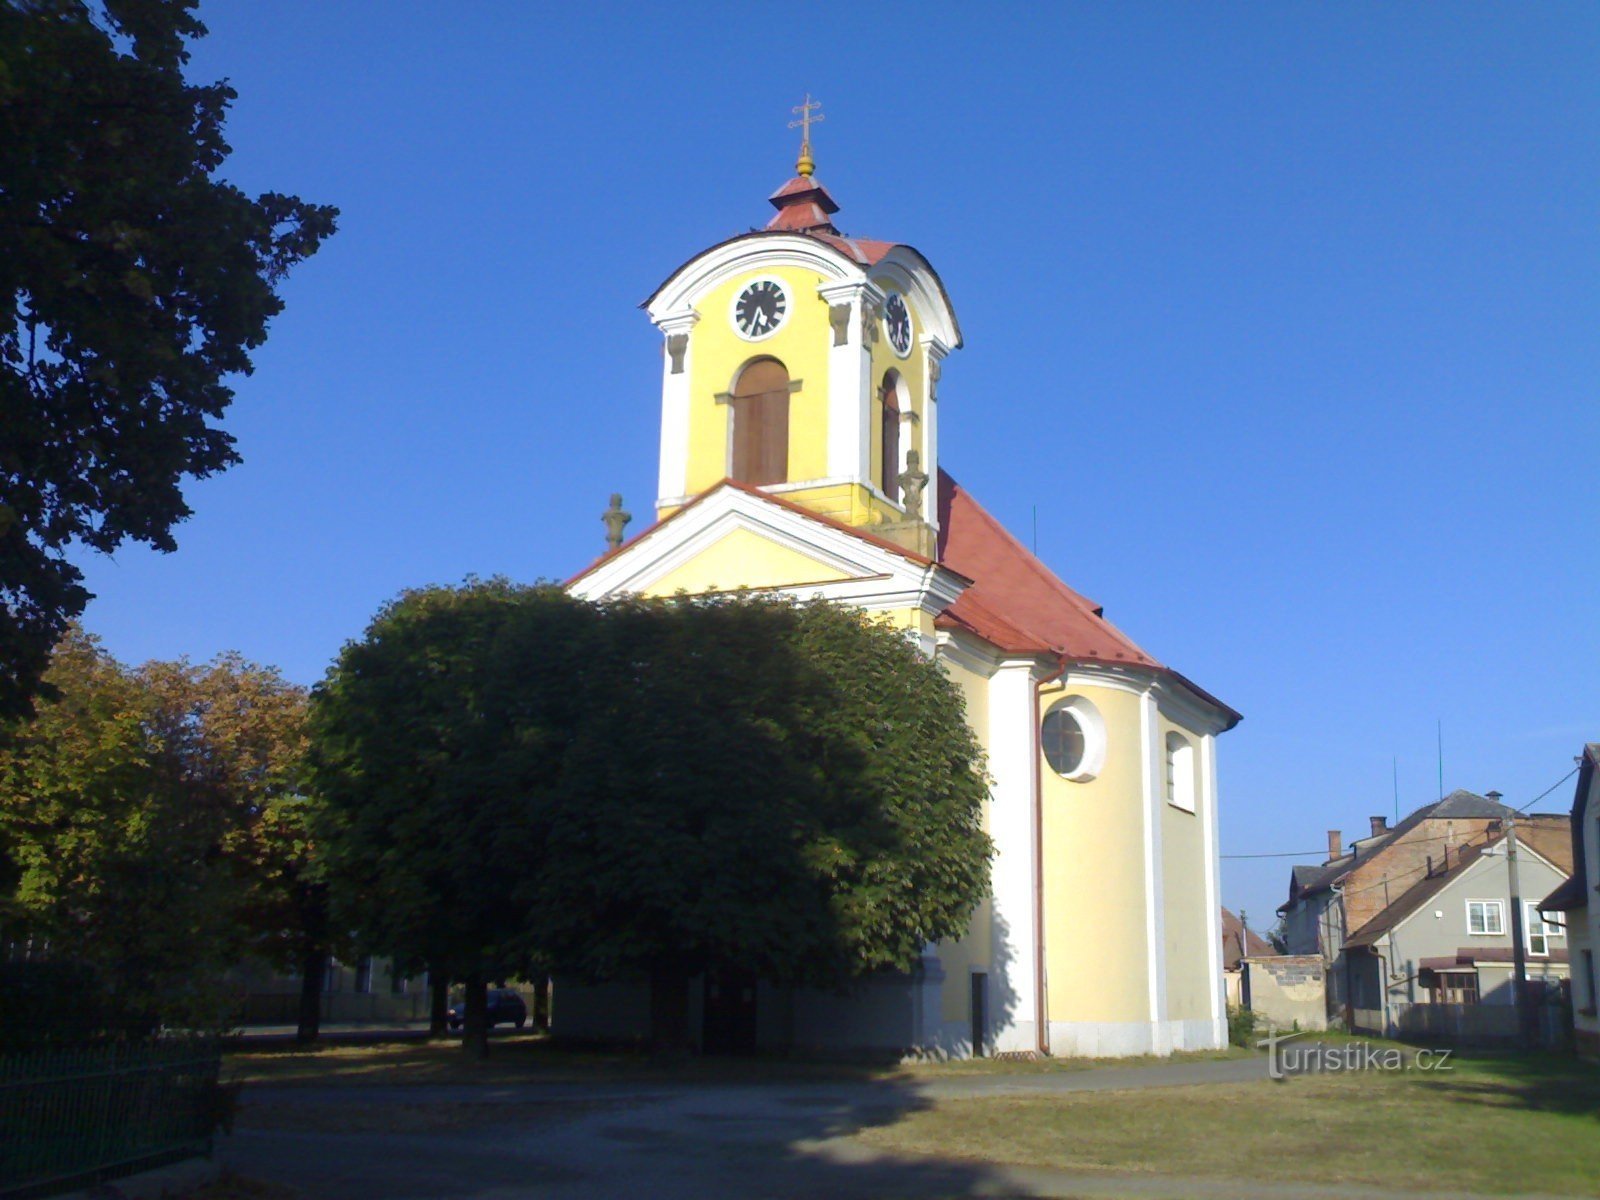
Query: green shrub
{"x": 1241, "y": 1027}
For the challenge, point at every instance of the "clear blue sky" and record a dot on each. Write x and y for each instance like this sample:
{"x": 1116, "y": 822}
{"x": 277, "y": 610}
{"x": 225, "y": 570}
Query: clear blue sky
{"x": 1285, "y": 316}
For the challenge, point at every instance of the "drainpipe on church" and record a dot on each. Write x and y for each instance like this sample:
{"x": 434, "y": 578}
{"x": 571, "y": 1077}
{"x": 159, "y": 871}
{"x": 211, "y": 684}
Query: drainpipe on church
{"x": 1041, "y": 1012}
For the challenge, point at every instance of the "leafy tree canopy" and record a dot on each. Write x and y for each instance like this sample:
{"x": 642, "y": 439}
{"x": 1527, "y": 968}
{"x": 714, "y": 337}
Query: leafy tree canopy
{"x": 138, "y": 808}
{"x": 133, "y": 282}
{"x": 513, "y": 776}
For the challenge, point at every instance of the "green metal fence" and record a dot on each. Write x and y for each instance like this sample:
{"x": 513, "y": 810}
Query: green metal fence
{"x": 73, "y": 1117}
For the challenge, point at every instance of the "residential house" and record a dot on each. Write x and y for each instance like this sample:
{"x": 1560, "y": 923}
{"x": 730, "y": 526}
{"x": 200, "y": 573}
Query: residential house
{"x": 1572, "y": 902}
{"x": 1445, "y": 945}
{"x": 1238, "y": 942}
{"x": 1358, "y": 881}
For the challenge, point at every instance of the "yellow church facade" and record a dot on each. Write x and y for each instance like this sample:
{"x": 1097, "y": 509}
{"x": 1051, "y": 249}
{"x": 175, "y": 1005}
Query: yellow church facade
{"x": 802, "y": 376}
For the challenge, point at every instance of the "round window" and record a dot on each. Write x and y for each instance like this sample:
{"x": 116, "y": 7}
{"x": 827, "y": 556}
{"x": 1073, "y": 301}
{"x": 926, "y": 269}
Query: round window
{"x": 1062, "y": 736}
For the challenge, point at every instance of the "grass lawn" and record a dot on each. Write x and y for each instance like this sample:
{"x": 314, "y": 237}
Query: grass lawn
{"x": 534, "y": 1058}
{"x": 1489, "y": 1125}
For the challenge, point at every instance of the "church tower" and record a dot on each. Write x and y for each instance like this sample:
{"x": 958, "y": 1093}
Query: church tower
{"x": 806, "y": 363}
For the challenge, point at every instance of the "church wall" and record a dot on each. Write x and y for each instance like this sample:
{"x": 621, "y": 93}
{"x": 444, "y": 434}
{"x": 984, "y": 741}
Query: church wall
{"x": 912, "y": 373}
{"x": 971, "y": 953}
{"x": 1094, "y": 887}
{"x": 743, "y": 559}
{"x": 1188, "y": 918}
{"x": 717, "y": 353}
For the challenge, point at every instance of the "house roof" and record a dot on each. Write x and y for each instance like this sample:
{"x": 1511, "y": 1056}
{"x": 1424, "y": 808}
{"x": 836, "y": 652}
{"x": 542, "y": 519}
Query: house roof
{"x": 1460, "y": 805}
{"x": 1239, "y": 942}
{"x": 1417, "y": 896}
{"x": 1017, "y": 604}
{"x": 1574, "y": 891}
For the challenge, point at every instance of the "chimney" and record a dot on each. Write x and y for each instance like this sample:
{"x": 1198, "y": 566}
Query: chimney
{"x": 1335, "y": 844}
{"x": 1380, "y": 826}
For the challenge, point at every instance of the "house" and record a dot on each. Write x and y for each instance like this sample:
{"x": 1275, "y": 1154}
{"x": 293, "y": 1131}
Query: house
{"x": 1447, "y": 941}
{"x": 1238, "y": 942}
{"x": 802, "y": 376}
{"x": 1573, "y": 902}
{"x": 1359, "y": 881}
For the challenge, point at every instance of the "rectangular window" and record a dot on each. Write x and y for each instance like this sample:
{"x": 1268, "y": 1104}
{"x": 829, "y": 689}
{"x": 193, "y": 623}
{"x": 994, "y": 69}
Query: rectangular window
{"x": 1588, "y": 977}
{"x": 364, "y": 974}
{"x": 1486, "y": 918}
{"x": 1542, "y": 927}
{"x": 1172, "y": 774}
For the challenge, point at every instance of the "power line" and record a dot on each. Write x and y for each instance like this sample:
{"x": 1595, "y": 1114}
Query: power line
{"x": 1548, "y": 790}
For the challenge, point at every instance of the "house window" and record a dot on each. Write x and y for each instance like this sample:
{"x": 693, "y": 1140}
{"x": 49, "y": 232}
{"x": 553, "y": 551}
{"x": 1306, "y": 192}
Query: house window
{"x": 1455, "y": 987}
{"x": 889, "y": 424}
{"x": 1486, "y": 918}
{"x": 1180, "y": 772}
{"x": 1541, "y": 928}
{"x": 364, "y": 974}
{"x": 1588, "y": 978}
{"x": 759, "y": 442}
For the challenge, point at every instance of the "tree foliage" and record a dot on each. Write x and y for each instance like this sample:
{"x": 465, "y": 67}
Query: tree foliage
{"x": 512, "y": 776}
{"x": 141, "y": 808}
{"x": 133, "y": 282}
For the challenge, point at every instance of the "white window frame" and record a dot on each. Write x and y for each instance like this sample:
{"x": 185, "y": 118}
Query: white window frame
{"x": 1499, "y": 909}
{"x": 1180, "y": 772}
{"x": 1540, "y": 928}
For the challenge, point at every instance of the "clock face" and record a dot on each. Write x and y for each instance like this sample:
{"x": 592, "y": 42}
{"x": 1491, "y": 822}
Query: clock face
{"x": 760, "y": 308}
{"x": 897, "y": 320}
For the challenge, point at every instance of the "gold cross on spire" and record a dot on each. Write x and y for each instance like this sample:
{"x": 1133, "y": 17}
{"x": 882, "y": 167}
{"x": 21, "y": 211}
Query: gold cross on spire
{"x": 809, "y": 113}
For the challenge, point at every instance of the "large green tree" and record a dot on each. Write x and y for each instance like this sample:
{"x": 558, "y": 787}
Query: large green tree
{"x": 133, "y": 283}
{"x": 647, "y": 787}
{"x": 137, "y": 805}
{"x": 438, "y": 739}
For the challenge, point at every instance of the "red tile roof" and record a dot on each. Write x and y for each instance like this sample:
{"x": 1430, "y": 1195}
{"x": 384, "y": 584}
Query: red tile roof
{"x": 1015, "y": 601}
{"x": 803, "y": 206}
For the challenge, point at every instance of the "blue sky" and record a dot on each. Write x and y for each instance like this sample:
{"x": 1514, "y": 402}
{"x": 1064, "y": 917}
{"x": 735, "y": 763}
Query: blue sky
{"x": 1284, "y": 317}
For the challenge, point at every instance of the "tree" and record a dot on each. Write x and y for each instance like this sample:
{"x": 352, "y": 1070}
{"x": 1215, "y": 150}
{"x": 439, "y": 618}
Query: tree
{"x": 133, "y": 803}
{"x": 787, "y": 791}
{"x": 133, "y": 282}
{"x": 437, "y": 740}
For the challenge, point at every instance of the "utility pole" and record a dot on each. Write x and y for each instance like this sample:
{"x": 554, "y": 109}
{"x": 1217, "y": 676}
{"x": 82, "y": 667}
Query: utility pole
{"x": 1519, "y": 958}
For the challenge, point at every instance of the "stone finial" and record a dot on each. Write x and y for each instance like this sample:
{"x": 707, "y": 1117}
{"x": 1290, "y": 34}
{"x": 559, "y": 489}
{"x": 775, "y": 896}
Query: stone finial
{"x": 615, "y": 521}
{"x": 912, "y": 481}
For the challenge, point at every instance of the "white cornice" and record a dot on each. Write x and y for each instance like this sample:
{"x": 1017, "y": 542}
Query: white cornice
{"x": 754, "y": 252}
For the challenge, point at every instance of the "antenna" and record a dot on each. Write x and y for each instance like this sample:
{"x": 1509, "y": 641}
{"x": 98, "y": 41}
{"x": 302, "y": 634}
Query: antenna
{"x": 1036, "y": 531}
{"x": 1440, "y": 732}
{"x": 1396, "y": 762}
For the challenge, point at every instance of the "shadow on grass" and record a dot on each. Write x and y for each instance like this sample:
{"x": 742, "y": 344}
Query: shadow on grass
{"x": 664, "y": 1130}
{"x": 1537, "y": 1082}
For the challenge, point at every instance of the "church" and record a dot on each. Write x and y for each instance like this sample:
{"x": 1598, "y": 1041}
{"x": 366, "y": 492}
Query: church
{"x": 802, "y": 374}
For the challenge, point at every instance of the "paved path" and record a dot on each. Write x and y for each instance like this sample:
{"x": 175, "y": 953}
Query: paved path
{"x": 667, "y": 1141}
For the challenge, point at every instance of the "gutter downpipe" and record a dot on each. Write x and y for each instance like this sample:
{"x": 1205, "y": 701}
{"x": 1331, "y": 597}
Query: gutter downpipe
{"x": 1041, "y": 1024}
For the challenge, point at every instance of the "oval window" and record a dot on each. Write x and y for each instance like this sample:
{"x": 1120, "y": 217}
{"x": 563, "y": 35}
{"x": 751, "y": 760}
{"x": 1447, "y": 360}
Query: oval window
{"x": 1063, "y": 741}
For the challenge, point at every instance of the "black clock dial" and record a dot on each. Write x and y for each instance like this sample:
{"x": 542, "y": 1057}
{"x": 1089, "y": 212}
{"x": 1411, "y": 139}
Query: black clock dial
{"x": 760, "y": 308}
{"x": 897, "y": 320}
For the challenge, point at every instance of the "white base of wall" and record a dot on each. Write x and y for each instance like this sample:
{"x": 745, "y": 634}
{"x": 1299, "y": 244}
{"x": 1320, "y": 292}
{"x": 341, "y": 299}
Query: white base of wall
{"x": 1124, "y": 1039}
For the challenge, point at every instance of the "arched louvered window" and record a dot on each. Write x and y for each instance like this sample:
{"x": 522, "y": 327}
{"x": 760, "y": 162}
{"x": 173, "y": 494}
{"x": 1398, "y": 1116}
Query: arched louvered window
{"x": 889, "y": 455}
{"x": 760, "y": 404}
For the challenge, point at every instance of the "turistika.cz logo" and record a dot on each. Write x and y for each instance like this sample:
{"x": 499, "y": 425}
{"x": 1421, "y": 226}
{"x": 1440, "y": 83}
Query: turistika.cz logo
{"x": 1330, "y": 1058}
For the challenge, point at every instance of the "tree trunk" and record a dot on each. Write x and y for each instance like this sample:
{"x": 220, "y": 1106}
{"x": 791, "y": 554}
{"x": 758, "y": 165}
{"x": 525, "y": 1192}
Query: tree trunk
{"x": 669, "y": 1009}
{"x": 476, "y": 1041}
{"x": 439, "y": 1003}
{"x": 313, "y": 967}
{"x": 312, "y": 903}
{"x": 541, "y": 1004}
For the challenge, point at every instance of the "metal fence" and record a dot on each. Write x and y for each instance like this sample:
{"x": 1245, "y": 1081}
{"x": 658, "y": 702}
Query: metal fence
{"x": 74, "y": 1117}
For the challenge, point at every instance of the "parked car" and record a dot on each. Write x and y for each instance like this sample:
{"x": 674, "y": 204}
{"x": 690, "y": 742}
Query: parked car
{"x": 505, "y": 1008}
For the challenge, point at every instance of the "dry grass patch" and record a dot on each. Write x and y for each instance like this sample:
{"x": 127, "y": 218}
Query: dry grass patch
{"x": 1489, "y": 1126}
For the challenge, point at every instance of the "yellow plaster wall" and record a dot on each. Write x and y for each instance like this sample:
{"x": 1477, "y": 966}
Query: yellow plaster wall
{"x": 974, "y": 950}
{"x": 911, "y": 371}
{"x": 1188, "y": 924}
{"x": 717, "y": 353}
{"x": 1094, "y": 875}
{"x": 744, "y": 559}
